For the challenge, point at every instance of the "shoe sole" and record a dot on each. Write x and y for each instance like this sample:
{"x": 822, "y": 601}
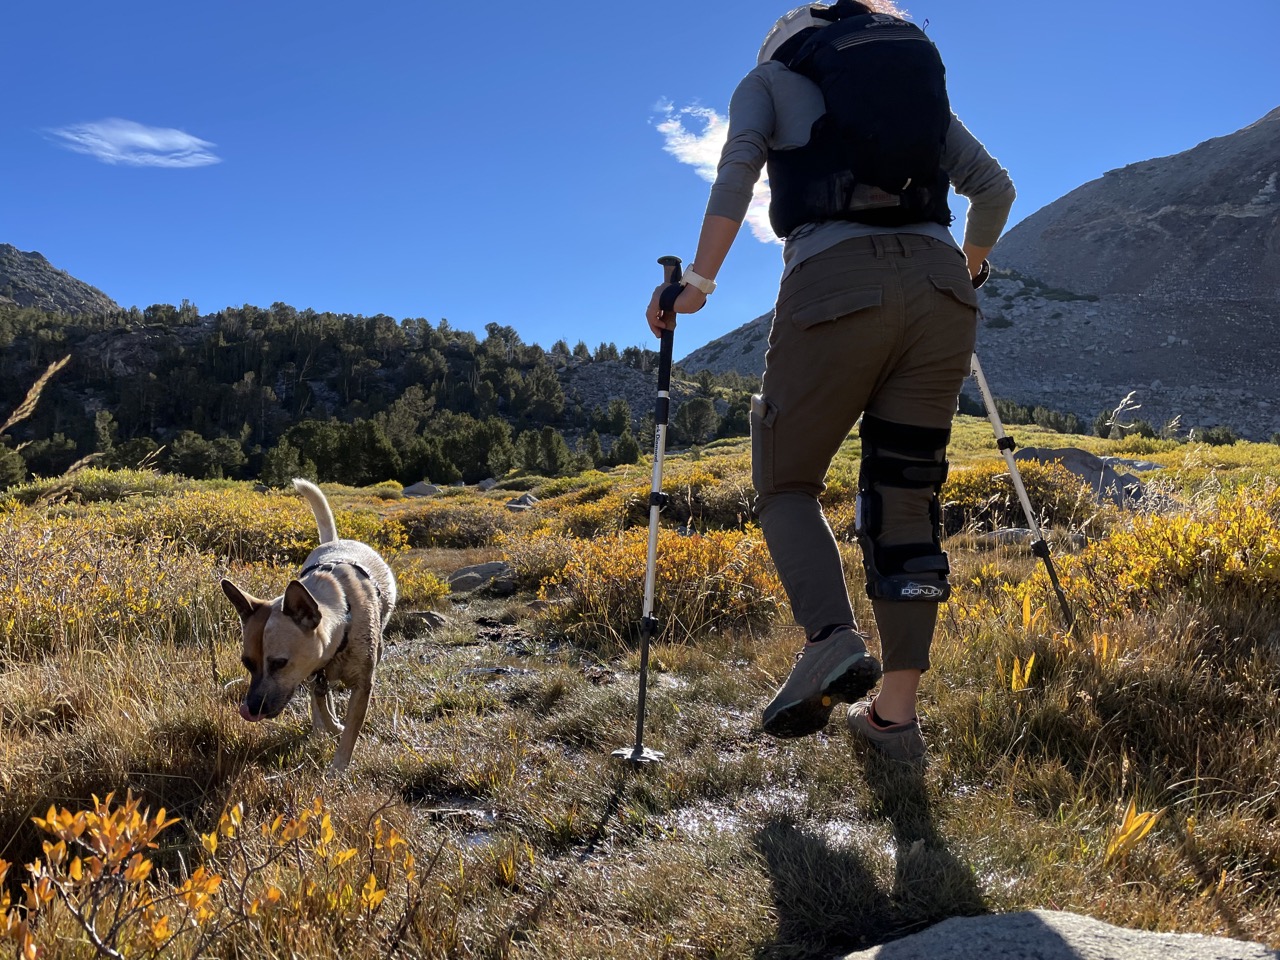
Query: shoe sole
{"x": 804, "y": 717}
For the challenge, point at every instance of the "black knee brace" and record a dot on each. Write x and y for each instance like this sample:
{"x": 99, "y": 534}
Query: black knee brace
{"x": 896, "y": 456}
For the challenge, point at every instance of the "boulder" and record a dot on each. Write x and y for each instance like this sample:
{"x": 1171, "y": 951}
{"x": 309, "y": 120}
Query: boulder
{"x": 429, "y": 618}
{"x": 523, "y": 502}
{"x": 421, "y": 489}
{"x": 1005, "y": 536}
{"x": 1056, "y": 935}
{"x": 1098, "y": 475}
{"x": 496, "y": 572}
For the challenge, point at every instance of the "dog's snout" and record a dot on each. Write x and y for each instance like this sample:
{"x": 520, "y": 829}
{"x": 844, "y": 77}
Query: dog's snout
{"x": 266, "y": 698}
{"x": 258, "y": 705}
{"x": 254, "y": 702}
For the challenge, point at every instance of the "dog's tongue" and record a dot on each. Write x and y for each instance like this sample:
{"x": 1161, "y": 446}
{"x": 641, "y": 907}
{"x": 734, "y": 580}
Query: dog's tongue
{"x": 244, "y": 712}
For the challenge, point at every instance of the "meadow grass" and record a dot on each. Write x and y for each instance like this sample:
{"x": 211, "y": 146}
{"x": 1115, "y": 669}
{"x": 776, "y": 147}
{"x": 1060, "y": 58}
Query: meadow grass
{"x": 1126, "y": 769}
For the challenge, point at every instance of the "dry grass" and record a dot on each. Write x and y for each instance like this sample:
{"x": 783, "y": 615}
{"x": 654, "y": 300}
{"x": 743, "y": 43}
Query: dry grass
{"x": 487, "y": 750}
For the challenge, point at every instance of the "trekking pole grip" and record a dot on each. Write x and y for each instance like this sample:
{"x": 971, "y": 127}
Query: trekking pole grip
{"x": 672, "y": 273}
{"x": 984, "y": 274}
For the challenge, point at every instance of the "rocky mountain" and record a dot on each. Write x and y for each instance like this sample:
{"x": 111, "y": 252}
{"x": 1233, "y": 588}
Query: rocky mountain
{"x": 29, "y": 280}
{"x": 738, "y": 351}
{"x": 1161, "y": 279}
{"x": 588, "y": 385}
{"x": 1203, "y": 224}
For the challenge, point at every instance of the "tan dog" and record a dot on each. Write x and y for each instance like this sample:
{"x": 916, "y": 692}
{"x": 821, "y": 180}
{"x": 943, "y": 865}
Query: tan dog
{"x": 326, "y": 626}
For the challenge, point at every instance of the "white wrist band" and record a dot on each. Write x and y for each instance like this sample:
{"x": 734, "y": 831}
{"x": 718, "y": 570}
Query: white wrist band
{"x": 700, "y": 283}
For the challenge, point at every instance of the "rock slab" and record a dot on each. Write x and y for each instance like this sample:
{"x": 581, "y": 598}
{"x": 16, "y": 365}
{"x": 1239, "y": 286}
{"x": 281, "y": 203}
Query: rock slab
{"x": 1056, "y": 935}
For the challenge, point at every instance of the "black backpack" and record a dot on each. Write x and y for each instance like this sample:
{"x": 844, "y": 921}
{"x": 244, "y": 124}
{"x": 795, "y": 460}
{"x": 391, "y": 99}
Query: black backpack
{"x": 875, "y": 155}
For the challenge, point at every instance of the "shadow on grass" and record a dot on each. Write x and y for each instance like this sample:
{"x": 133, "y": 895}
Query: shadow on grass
{"x": 828, "y": 898}
{"x": 930, "y": 882}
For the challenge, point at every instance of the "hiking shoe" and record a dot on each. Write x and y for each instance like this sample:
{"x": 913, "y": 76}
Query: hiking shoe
{"x": 900, "y": 741}
{"x": 835, "y": 669}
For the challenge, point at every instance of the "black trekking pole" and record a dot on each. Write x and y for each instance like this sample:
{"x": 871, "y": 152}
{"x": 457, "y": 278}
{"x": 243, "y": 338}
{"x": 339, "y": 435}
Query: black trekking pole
{"x": 657, "y": 499}
{"x": 1005, "y": 444}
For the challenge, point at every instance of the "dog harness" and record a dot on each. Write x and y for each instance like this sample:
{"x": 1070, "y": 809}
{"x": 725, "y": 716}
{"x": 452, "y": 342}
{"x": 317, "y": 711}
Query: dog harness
{"x": 318, "y": 678}
{"x": 329, "y": 565}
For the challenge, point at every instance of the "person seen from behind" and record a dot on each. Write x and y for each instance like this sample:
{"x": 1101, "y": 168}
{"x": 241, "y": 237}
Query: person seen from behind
{"x": 875, "y": 321}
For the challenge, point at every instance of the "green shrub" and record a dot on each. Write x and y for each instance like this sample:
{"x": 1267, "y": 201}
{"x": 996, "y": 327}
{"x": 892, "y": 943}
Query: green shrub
{"x": 1144, "y": 446}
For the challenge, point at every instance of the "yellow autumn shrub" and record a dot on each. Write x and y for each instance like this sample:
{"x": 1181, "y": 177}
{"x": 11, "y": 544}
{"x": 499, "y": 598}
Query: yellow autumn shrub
{"x": 537, "y": 555}
{"x": 74, "y": 580}
{"x": 983, "y": 496}
{"x": 417, "y": 587}
{"x": 1223, "y": 553}
{"x": 293, "y": 881}
{"x": 460, "y": 522}
{"x": 247, "y": 526}
{"x": 95, "y": 484}
{"x": 705, "y": 581}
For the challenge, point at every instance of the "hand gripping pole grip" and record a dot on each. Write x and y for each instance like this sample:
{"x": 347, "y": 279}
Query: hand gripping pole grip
{"x": 672, "y": 273}
{"x": 666, "y": 302}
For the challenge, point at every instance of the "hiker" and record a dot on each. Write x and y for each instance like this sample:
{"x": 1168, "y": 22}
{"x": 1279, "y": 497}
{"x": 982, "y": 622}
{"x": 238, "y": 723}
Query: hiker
{"x": 875, "y": 319}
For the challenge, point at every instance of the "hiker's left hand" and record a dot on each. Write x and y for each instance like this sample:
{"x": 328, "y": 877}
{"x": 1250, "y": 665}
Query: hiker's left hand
{"x": 691, "y": 300}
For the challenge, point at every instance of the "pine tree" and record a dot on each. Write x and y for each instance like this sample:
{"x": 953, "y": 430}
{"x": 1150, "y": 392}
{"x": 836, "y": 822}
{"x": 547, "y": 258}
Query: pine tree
{"x": 590, "y": 448}
{"x": 625, "y": 449}
{"x": 555, "y": 455}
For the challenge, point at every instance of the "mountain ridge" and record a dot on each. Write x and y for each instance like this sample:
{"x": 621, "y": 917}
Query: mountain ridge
{"x": 27, "y": 279}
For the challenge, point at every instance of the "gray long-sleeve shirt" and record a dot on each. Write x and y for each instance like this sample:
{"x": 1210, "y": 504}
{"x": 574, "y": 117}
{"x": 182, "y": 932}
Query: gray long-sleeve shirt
{"x": 775, "y": 108}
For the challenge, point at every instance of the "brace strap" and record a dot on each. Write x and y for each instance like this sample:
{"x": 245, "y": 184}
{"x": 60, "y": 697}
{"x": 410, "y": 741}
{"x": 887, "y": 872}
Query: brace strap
{"x": 896, "y": 472}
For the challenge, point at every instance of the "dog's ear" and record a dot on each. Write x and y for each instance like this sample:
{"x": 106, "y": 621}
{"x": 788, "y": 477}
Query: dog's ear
{"x": 245, "y": 603}
{"x": 300, "y": 606}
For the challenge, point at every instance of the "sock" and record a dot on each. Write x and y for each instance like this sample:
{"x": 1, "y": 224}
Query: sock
{"x": 828, "y": 631}
{"x": 880, "y": 722}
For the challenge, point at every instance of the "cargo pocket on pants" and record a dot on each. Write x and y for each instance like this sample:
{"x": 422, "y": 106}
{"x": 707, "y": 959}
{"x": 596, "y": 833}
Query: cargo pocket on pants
{"x": 763, "y": 415}
{"x": 832, "y": 306}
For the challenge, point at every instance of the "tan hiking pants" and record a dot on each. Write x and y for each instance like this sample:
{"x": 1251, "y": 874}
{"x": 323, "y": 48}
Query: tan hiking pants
{"x": 883, "y": 325}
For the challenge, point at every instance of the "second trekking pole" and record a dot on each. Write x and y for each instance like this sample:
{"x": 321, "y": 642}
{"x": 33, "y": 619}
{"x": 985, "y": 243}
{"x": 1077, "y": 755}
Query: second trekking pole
{"x": 662, "y": 408}
{"x": 1005, "y": 444}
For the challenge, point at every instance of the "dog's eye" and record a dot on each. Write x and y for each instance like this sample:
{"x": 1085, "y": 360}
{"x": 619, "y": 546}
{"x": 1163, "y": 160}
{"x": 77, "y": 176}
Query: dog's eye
{"x": 277, "y": 663}
{"x": 248, "y": 664}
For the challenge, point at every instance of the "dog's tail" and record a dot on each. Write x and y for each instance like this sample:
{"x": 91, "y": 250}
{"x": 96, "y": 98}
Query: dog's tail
{"x": 320, "y": 507}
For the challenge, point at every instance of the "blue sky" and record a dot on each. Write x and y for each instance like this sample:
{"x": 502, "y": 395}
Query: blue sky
{"x": 523, "y": 164}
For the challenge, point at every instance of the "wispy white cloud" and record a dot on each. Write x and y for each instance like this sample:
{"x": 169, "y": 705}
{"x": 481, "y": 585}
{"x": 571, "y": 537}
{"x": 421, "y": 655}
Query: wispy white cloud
{"x": 695, "y": 136}
{"x": 117, "y": 141}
